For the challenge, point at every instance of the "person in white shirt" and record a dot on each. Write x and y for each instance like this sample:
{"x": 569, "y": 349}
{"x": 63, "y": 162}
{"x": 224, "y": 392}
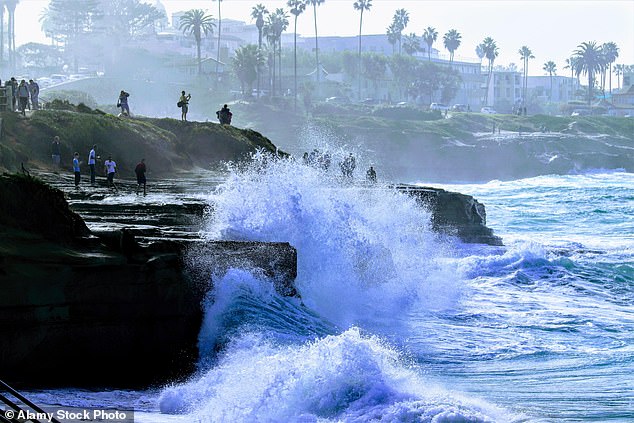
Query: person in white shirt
{"x": 111, "y": 169}
{"x": 91, "y": 162}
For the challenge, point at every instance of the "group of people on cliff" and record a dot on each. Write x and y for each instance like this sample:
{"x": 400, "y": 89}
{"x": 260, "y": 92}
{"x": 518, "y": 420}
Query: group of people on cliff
{"x": 109, "y": 165}
{"x": 347, "y": 166}
{"x": 24, "y": 95}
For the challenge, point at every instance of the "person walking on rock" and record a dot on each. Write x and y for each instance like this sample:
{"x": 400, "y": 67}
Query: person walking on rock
{"x": 371, "y": 175}
{"x": 76, "y": 169}
{"x": 34, "y": 91}
{"x": 55, "y": 152}
{"x": 23, "y": 97}
{"x": 184, "y": 105}
{"x": 140, "y": 170}
{"x": 111, "y": 168}
{"x": 92, "y": 156}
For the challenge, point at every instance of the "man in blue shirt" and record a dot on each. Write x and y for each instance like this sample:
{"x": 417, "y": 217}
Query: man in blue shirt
{"x": 76, "y": 169}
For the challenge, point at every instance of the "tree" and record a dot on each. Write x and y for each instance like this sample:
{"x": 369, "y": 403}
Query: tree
{"x": 316, "y": 3}
{"x": 404, "y": 70}
{"x": 431, "y": 78}
{"x": 219, "y": 30}
{"x": 2, "y": 6}
{"x": 489, "y": 49}
{"x": 258, "y": 13}
{"x": 571, "y": 63}
{"x": 551, "y": 69}
{"x": 619, "y": 70}
{"x": 610, "y": 54}
{"x": 197, "y": 23}
{"x": 245, "y": 63}
{"x": 525, "y": 54}
{"x": 452, "y": 40}
{"x": 11, "y": 5}
{"x": 399, "y": 22}
{"x": 128, "y": 18}
{"x": 429, "y": 36}
{"x": 411, "y": 44}
{"x": 588, "y": 56}
{"x": 297, "y": 8}
{"x": 480, "y": 52}
{"x": 280, "y": 23}
{"x": 40, "y": 57}
{"x": 374, "y": 67}
{"x": 393, "y": 35}
{"x": 68, "y": 20}
{"x": 361, "y": 5}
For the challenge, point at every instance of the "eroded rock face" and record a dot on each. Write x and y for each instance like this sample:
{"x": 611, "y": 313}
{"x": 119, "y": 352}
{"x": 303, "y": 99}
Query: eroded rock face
{"x": 455, "y": 214}
{"x": 85, "y": 310}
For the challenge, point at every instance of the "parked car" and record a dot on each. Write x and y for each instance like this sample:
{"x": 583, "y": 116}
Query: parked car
{"x": 58, "y": 78}
{"x": 438, "y": 106}
{"x": 459, "y": 108}
{"x": 339, "y": 100}
{"x": 370, "y": 101}
{"x": 579, "y": 112}
{"x": 488, "y": 110}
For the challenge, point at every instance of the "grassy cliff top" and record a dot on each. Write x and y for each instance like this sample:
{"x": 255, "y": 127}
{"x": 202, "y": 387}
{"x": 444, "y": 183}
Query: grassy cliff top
{"x": 168, "y": 145}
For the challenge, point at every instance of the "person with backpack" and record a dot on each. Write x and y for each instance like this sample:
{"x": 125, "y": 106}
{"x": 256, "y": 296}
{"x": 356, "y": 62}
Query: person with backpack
{"x": 23, "y": 96}
{"x": 224, "y": 115}
{"x": 183, "y": 103}
{"x": 123, "y": 103}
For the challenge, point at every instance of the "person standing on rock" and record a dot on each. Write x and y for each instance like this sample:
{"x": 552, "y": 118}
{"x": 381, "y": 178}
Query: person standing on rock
{"x": 55, "y": 152}
{"x": 224, "y": 115}
{"x": 92, "y": 156}
{"x": 123, "y": 103}
{"x": 140, "y": 170}
{"x": 184, "y": 104}
{"x": 111, "y": 168}
{"x": 76, "y": 169}
{"x": 371, "y": 175}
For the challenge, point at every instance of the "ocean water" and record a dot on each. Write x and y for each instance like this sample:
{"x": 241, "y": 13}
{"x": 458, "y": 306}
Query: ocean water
{"x": 398, "y": 324}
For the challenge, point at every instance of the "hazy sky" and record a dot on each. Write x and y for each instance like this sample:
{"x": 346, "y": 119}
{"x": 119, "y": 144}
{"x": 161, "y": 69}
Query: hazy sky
{"x": 551, "y": 28}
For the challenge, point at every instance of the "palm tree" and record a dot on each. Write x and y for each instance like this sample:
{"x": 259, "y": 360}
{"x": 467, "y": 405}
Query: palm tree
{"x": 551, "y": 68}
{"x": 571, "y": 63}
{"x": 411, "y": 44}
{"x": 258, "y": 13}
{"x": 400, "y": 21}
{"x": 525, "y": 54}
{"x": 197, "y": 23}
{"x": 316, "y": 3}
{"x": 297, "y": 8}
{"x": 619, "y": 70}
{"x": 361, "y": 5}
{"x": 280, "y": 25}
{"x": 2, "y": 6}
{"x": 429, "y": 36}
{"x": 452, "y": 40}
{"x": 219, "y": 30}
{"x": 11, "y": 5}
{"x": 393, "y": 35}
{"x": 480, "y": 52}
{"x": 246, "y": 62}
{"x": 490, "y": 50}
{"x": 610, "y": 54}
{"x": 588, "y": 56}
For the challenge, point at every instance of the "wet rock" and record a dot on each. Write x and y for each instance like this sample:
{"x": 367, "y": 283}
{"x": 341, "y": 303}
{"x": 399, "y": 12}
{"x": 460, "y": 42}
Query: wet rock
{"x": 455, "y": 214}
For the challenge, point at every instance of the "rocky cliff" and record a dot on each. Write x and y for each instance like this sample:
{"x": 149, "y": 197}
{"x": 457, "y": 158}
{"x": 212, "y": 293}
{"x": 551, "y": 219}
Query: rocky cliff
{"x": 76, "y": 308}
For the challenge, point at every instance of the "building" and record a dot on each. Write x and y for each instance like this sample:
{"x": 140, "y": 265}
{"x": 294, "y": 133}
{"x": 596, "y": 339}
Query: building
{"x": 563, "y": 88}
{"x": 623, "y": 101}
{"x": 505, "y": 90}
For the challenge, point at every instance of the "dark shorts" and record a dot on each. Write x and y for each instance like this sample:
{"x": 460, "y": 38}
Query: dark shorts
{"x": 140, "y": 179}
{"x": 111, "y": 177}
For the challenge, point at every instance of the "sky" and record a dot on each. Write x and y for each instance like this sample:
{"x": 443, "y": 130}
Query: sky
{"x": 552, "y": 29}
